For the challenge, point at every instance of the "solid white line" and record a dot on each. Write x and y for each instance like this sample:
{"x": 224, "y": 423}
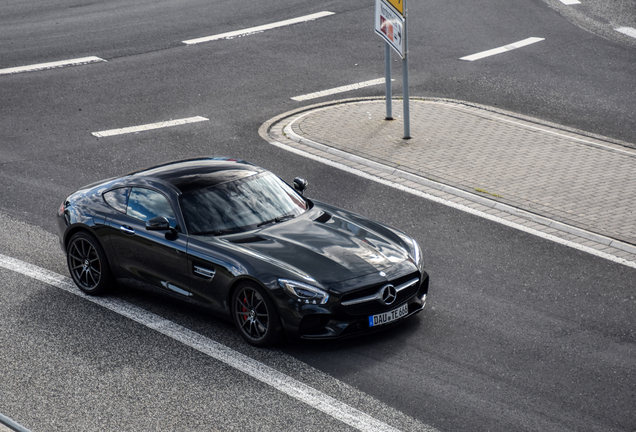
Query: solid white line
{"x": 133, "y": 129}
{"x": 257, "y": 370}
{"x": 258, "y": 29}
{"x": 570, "y": 2}
{"x": 452, "y": 204}
{"x": 51, "y": 65}
{"x": 339, "y": 89}
{"x": 629, "y": 31}
{"x": 502, "y": 49}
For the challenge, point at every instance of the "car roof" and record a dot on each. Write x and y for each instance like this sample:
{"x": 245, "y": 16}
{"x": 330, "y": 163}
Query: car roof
{"x": 193, "y": 174}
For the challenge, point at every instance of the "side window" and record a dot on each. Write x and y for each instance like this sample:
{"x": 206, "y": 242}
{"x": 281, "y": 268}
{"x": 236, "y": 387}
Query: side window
{"x": 117, "y": 199}
{"x": 146, "y": 204}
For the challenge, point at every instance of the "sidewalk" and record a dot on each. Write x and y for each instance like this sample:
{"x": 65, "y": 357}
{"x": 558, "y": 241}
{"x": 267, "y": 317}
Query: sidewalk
{"x": 560, "y": 182}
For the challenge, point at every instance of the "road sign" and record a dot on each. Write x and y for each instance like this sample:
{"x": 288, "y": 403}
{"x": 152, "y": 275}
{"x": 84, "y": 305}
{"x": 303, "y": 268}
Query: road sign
{"x": 390, "y": 25}
{"x": 398, "y": 5}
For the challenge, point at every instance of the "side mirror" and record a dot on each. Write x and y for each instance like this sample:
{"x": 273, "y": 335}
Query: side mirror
{"x": 300, "y": 184}
{"x": 158, "y": 223}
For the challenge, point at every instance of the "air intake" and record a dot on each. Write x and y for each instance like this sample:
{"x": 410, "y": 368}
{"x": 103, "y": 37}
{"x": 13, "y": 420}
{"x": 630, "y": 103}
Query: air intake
{"x": 323, "y": 218}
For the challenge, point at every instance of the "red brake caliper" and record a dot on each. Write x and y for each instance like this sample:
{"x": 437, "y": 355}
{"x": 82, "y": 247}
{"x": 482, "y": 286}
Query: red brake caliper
{"x": 244, "y": 308}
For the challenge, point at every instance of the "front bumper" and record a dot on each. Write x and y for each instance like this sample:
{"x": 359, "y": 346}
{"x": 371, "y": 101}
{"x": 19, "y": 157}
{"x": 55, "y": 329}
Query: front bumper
{"x": 333, "y": 322}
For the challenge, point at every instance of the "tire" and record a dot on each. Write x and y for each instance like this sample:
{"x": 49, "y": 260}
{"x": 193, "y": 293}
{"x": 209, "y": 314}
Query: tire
{"x": 255, "y": 315}
{"x": 88, "y": 264}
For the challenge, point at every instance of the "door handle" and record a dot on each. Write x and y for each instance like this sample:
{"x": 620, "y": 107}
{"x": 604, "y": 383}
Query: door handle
{"x": 127, "y": 230}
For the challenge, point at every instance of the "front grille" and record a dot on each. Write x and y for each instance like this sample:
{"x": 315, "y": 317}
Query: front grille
{"x": 375, "y": 306}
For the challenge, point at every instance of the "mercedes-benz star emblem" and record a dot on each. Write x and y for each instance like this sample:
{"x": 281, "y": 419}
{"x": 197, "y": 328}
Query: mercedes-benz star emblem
{"x": 389, "y": 294}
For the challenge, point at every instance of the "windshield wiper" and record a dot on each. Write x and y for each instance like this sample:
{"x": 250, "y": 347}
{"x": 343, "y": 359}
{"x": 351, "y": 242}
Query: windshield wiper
{"x": 277, "y": 219}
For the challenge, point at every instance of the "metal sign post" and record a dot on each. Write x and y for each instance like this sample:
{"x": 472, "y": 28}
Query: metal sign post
{"x": 390, "y": 24}
{"x": 405, "y": 81}
{"x": 387, "y": 80}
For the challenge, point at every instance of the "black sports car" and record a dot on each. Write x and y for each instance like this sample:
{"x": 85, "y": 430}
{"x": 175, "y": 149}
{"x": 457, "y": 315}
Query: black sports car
{"x": 236, "y": 238}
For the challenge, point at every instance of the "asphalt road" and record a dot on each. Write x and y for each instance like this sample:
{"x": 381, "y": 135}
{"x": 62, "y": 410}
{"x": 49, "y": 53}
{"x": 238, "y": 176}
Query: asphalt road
{"x": 520, "y": 333}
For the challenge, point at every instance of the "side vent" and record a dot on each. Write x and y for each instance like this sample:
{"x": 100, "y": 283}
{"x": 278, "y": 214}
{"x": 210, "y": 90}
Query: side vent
{"x": 204, "y": 273}
{"x": 323, "y": 218}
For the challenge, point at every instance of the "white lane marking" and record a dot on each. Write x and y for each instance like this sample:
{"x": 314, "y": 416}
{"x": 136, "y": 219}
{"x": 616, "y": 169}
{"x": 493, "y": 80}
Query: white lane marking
{"x": 151, "y": 126}
{"x": 257, "y": 370}
{"x": 502, "y": 49}
{"x": 629, "y": 31}
{"x": 258, "y": 29}
{"x": 51, "y": 65}
{"x": 339, "y": 89}
{"x": 452, "y": 204}
{"x": 570, "y": 2}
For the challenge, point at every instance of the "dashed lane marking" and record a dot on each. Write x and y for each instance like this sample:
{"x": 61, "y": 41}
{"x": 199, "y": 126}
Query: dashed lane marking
{"x": 502, "y": 49}
{"x": 257, "y": 370}
{"x": 141, "y": 128}
{"x": 229, "y": 35}
{"x": 51, "y": 65}
{"x": 570, "y": 2}
{"x": 342, "y": 89}
{"x": 629, "y": 31}
{"x": 258, "y": 29}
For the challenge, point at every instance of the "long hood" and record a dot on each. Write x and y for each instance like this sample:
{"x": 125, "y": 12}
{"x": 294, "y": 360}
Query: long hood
{"x": 330, "y": 251}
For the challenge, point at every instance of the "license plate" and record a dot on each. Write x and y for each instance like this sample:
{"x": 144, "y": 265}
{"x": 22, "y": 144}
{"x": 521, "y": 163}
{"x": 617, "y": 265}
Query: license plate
{"x": 390, "y": 316}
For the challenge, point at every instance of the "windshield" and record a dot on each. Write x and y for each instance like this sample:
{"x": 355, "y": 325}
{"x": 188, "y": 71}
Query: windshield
{"x": 241, "y": 205}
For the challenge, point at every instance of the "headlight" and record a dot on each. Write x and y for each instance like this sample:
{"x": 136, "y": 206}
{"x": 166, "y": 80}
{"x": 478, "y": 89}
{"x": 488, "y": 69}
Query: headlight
{"x": 417, "y": 254}
{"x": 414, "y": 250}
{"x": 304, "y": 293}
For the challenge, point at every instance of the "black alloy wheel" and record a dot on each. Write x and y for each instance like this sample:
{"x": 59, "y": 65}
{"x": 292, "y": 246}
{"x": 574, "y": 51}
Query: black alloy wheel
{"x": 87, "y": 264}
{"x": 255, "y": 315}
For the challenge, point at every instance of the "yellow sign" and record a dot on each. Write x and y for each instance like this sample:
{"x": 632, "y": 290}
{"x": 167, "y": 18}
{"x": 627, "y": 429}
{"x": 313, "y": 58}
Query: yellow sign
{"x": 398, "y": 5}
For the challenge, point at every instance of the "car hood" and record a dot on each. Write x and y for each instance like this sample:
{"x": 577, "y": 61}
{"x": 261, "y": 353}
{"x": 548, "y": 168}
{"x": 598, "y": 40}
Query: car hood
{"x": 330, "y": 248}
